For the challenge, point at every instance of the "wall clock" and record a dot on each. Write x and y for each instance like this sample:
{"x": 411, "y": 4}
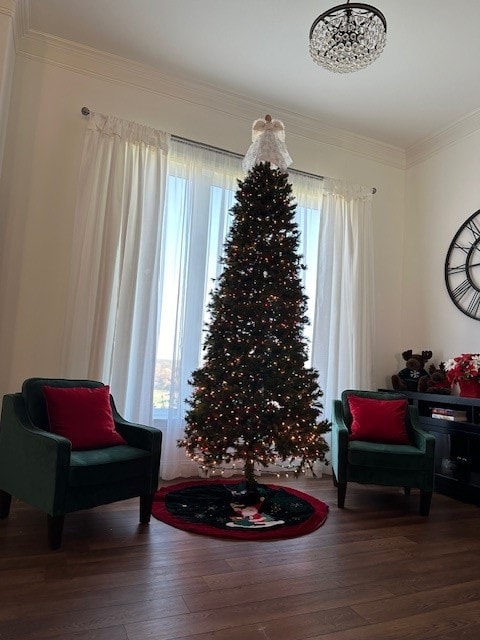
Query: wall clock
{"x": 462, "y": 267}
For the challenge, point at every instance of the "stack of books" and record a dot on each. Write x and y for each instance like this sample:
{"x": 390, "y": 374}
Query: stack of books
{"x": 443, "y": 413}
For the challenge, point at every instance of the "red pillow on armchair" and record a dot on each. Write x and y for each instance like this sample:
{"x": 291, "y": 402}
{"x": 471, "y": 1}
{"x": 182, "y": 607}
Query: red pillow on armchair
{"x": 380, "y": 421}
{"x": 83, "y": 415}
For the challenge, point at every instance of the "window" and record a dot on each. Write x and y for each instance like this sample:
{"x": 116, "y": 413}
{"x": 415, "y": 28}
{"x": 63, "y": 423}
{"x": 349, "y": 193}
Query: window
{"x": 201, "y": 189}
{"x": 141, "y": 276}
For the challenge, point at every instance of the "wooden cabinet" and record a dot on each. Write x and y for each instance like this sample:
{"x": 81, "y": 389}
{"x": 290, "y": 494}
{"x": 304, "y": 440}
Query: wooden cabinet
{"x": 457, "y": 442}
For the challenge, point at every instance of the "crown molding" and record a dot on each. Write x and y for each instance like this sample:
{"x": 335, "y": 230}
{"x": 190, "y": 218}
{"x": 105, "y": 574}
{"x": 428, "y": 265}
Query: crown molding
{"x": 12, "y": 9}
{"x": 18, "y": 11}
{"x": 313, "y": 129}
{"x": 461, "y": 128}
{"x": 8, "y": 7}
{"x": 86, "y": 60}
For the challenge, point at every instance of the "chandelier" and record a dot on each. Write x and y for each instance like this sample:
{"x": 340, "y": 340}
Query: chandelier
{"x": 348, "y": 37}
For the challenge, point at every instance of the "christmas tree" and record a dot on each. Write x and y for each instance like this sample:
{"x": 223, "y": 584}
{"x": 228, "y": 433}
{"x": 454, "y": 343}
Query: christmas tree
{"x": 254, "y": 400}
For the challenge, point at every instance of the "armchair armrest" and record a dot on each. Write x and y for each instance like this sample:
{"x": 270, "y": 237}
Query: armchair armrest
{"x": 34, "y": 464}
{"x": 339, "y": 442}
{"x": 142, "y": 437}
{"x": 137, "y": 435}
{"x": 421, "y": 439}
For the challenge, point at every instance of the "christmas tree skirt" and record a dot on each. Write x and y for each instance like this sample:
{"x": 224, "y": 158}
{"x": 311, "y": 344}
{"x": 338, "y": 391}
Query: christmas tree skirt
{"x": 223, "y": 508}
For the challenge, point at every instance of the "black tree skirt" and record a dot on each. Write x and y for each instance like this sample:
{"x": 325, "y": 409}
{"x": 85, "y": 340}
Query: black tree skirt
{"x": 223, "y": 508}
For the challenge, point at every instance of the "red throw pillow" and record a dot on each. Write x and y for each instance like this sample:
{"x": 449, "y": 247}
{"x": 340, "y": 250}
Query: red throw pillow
{"x": 83, "y": 415}
{"x": 378, "y": 420}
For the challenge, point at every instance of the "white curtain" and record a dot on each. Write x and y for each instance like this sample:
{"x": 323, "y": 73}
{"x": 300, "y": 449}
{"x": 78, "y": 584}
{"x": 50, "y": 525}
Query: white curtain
{"x": 201, "y": 190}
{"x": 308, "y": 193}
{"x": 112, "y": 314}
{"x": 343, "y": 331}
{"x": 334, "y": 219}
{"x": 145, "y": 256}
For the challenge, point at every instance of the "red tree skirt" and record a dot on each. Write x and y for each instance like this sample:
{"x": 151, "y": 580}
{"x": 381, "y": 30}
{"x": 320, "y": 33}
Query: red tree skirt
{"x": 220, "y": 508}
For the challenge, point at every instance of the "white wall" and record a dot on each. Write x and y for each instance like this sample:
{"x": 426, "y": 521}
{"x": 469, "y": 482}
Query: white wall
{"x": 442, "y": 192}
{"x": 44, "y": 145}
{"x": 7, "y": 61}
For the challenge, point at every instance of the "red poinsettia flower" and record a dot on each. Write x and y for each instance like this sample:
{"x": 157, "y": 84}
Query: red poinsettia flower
{"x": 463, "y": 367}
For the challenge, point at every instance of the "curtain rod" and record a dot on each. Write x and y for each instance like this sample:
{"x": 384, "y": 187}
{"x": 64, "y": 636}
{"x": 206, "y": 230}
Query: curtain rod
{"x": 86, "y": 112}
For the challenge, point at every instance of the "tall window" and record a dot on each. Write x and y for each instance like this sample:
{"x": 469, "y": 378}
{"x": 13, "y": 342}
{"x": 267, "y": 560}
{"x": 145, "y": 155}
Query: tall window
{"x": 201, "y": 189}
{"x": 151, "y": 218}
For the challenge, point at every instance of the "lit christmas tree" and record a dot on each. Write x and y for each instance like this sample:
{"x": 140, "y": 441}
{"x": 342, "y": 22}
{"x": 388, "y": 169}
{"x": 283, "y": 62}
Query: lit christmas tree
{"x": 254, "y": 400}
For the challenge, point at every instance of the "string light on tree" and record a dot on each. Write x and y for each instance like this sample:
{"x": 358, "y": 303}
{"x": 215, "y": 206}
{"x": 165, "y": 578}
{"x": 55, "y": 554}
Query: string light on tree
{"x": 254, "y": 401}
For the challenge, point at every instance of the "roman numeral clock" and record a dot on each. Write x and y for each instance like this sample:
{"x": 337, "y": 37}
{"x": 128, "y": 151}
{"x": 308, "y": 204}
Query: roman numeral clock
{"x": 462, "y": 267}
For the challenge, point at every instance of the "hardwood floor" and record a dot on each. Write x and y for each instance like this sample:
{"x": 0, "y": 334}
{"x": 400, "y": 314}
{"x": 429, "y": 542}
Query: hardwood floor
{"x": 375, "y": 571}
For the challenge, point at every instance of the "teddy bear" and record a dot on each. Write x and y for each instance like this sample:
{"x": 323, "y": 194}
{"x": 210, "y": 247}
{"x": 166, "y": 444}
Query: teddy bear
{"x": 408, "y": 378}
{"x": 436, "y": 381}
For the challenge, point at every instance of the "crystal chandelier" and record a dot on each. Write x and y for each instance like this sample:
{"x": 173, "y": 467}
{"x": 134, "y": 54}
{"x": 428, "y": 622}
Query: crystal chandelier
{"x": 348, "y": 37}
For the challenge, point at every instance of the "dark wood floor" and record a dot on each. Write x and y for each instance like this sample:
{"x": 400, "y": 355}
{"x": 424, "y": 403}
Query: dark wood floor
{"x": 374, "y": 571}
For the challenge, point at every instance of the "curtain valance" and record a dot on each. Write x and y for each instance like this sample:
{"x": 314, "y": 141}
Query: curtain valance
{"x": 347, "y": 190}
{"x": 128, "y": 131}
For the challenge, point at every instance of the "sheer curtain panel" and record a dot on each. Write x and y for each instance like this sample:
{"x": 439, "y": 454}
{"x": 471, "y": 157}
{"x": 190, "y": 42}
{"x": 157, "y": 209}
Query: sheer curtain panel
{"x": 112, "y": 314}
{"x": 343, "y": 325}
{"x": 146, "y": 253}
{"x": 200, "y": 192}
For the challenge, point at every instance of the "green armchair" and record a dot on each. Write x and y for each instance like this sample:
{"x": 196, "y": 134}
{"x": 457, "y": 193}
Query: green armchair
{"x": 366, "y": 462}
{"x": 41, "y": 469}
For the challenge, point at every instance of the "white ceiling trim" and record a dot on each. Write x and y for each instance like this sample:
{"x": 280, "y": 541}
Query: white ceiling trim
{"x": 112, "y": 68}
{"x": 7, "y": 7}
{"x": 459, "y": 129}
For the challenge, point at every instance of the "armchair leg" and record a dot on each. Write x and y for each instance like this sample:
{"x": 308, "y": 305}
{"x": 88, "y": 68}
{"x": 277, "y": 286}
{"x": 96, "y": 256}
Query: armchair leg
{"x": 425, "y": 500}
{"x": 334, "y": 478}
{"x": 342, "y": 490}
{"x": 146, "y": 508}
{"x": 55, "y": 529}
{"x": 5, "y": 502}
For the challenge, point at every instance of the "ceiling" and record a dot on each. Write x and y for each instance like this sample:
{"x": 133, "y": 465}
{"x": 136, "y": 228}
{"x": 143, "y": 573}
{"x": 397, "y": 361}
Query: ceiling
{"x": 427, "y": 78}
